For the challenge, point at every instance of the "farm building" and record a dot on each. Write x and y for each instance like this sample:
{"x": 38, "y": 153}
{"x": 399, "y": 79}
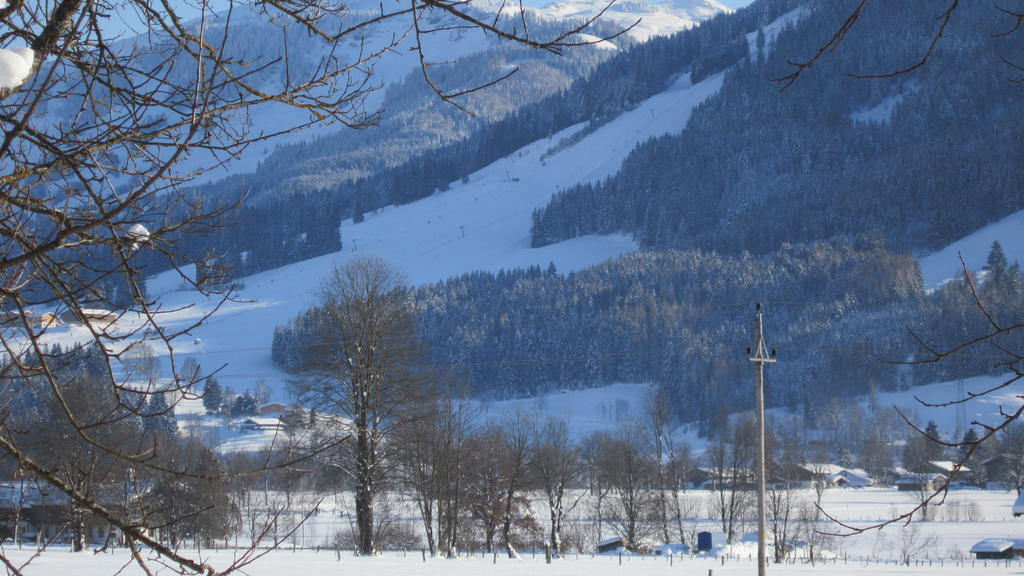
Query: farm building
{"x": 998, "y": 548}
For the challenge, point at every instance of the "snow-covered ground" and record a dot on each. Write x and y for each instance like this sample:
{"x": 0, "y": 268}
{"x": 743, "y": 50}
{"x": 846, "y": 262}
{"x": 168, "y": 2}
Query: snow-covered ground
{"x": 939, "y": 267}
{"x": 648, "y": 18}
{"x": 771, "y": 31}
{"x": 410, "y": 564}
{"x": 946, "y": 552}
{"x": 482, "y": 223}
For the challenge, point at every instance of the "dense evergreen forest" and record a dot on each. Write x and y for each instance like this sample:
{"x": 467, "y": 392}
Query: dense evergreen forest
{"x": 922, "y": 159}
{"x": 302, "y": 192}
{"x": 837, "y": 312}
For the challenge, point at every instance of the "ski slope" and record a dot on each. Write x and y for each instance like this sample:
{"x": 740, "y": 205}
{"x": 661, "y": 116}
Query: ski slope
{"x": 645, "y": 19}
{"x": 940, "y": 267}
{"x": 482, "y": 223}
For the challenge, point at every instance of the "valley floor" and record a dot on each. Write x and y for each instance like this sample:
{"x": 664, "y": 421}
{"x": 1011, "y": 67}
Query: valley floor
{"x": 310, "y": 562}
{"x": 940, "y": 545}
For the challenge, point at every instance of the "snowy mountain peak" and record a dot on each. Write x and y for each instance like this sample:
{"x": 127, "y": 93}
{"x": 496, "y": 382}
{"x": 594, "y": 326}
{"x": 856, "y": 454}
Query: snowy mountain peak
{"x": 657, "y": 18}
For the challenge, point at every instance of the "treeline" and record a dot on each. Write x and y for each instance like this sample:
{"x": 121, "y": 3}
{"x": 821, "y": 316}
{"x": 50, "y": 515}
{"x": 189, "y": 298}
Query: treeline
{"x": 305, "y": 190}
{"x": 838, "y": 314}
{"x": 681, "y": 319}
{"x": 117, "y": 449}
{"x": 920, "y": 159}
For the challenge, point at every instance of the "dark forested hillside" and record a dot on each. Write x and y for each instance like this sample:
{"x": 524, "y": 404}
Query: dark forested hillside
{"x": 305, "y": 190}
{"x": 920, "y": 159}
{"x": 682, "y": 319}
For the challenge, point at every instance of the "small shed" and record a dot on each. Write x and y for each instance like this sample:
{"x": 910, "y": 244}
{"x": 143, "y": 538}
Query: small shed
{"x": 257, "y": 424}
{"x": 998, "y": 548}
{"x": 920, "y": 482}
{"x": 272, "y": 409}
{"x": 611, "y": 545}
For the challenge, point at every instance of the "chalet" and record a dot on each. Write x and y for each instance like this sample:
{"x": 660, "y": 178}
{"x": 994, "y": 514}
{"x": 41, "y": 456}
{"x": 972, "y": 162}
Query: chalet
{"x": 611, "y": 545}
{"x": 272, "y": 409}
{"x": 916, "y": 482}
{"x": 832, "y": 475}
{"x": 856, "y": 478}
{"x": 712, "y": 478}
{"x": 31, "y": 514}
{"x": 97, "y": 316}
{"x": 998, "y": 548}
{"x": 947, "y": 467}
{"x": 47, "y": 320}
{"x": 258, "y": 424}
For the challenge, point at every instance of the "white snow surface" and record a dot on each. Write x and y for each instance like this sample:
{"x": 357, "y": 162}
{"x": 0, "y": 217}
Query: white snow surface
{"x": 873, "y": 552}
{"x": 771, "y": 31}
{"x": 655, "y": 18}
{"x": 880, "y": 114}
{"x": 940, "y": 267}
{"x": 482, "y": 224}
{"x": 15, "y": 66}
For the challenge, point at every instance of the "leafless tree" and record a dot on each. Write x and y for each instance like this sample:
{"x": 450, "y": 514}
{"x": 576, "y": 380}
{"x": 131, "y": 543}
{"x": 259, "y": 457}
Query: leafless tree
{"x": 965, "y": 448}
{"x": 365, "y": 366}
{"x": 519, "y": 433}
{"x": 114, "y": 107}
{"x": 732, "y": 463}
{"x": 454, "y": 427}
{"x": 809, "y": 520}
{"x": 628, "y": 469}
{"x": 485, "y": 481}
{"x": 558, "y": 467}
{"x": 428, "y": 447}
{"x": 782, "y": 506}
{"x": 1012, "y": 440}
{"x": 912, "y": 542}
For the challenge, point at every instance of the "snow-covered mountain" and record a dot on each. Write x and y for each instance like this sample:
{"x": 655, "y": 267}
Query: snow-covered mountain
{"x": 656, "y": 18}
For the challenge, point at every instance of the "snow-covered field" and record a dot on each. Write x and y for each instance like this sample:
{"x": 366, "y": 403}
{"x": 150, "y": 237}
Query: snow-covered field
{"x": 939, "y": 267}
{"x": 609, "y": 408}
{"x": 873, "y": 552}
{"x": 411, "y": 564}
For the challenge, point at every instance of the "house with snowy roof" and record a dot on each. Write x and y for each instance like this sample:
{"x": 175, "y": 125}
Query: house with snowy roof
{"x": 948, "y": 469}
{"x": 918, "y": 481}
{"x": 998, "y": 548}
{"x": 260, "y": 424}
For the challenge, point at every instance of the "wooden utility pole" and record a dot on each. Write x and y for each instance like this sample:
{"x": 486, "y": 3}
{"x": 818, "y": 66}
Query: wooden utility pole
{"x": 759, "y": 356}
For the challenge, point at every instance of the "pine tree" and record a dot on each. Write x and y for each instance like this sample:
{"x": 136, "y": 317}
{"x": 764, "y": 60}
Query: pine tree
{"x": 213, "y": 396}
{"x": 996, "y": 263}
{"x": 159, "y": 416}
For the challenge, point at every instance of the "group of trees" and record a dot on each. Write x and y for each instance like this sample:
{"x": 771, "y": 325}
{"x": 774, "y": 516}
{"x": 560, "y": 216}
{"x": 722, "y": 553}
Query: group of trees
{"x": 675, "y": 318}
{"x": 175, "y": 488}
{"x": 107, "y": 111}
{"x": 301, "y": 192}
{"x": 922, "y": 159}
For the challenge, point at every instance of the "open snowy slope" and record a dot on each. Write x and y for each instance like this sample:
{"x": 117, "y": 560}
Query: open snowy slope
{"x": 943, "y": 265}
{"x": 482, "y": 223}
{"x": 655, "y": 18}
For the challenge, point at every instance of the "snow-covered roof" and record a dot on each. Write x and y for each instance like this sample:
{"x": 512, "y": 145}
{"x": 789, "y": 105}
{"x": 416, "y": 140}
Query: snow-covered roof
{"x": 918, "y": 478}
{"x": 997, "y": 545}
{"x": 264, "y": 422}
{"x": 947, "y": 465}
{"x": 821, "y": 468}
